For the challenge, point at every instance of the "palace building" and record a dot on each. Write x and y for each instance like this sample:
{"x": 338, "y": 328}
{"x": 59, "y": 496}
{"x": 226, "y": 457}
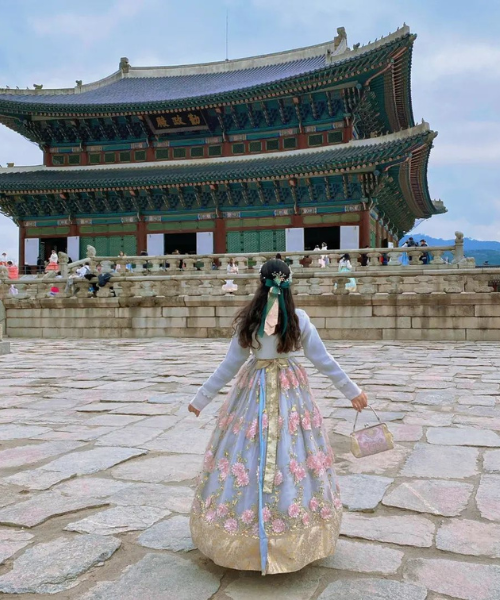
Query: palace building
{"x": 271, "y": 153}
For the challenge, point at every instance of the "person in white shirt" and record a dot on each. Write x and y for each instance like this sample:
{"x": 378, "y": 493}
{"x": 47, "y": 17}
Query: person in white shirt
{"x": 268, "y": 498}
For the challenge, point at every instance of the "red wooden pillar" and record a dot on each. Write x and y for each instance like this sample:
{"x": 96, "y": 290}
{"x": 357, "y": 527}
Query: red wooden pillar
{"x": 220, "y": 236}
{"x": 142, "y": 244}
{"x": 364, "y": 229}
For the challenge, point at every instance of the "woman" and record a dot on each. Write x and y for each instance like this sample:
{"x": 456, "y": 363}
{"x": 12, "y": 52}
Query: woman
{"x": 403, "y": 257}
{"x": 345, "y": 266}
{"x": 268, "y": 498}
{"x": 229, "y": 287}
{"x": 53, "y": 262}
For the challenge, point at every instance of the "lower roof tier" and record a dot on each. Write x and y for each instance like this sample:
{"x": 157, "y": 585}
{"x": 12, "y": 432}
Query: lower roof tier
{"x": 390, "y": 171}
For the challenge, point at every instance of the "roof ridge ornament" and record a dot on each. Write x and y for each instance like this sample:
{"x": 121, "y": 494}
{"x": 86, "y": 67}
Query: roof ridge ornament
{"x": 124, "y": 65}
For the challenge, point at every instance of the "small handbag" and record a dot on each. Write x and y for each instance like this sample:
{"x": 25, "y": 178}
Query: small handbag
{"x": 372, "y": 439}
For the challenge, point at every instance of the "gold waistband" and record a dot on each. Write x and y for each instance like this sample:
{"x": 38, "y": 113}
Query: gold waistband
{"x": 272, "y": 367}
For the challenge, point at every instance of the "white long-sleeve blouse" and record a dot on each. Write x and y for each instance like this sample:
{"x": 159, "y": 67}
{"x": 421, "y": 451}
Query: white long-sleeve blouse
{"x": 314, "y": 350}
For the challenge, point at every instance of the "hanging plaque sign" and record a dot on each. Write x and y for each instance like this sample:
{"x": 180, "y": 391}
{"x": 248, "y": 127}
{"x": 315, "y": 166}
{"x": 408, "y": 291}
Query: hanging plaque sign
{"x": 183, "y": 120}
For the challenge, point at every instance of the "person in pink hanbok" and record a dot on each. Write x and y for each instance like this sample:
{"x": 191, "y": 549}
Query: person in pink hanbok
{"x": 268, "y": 498}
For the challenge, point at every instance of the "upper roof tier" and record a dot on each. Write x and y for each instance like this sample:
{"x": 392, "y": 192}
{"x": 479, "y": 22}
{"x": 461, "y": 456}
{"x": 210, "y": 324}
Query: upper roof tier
{"x": 134, "y": 88}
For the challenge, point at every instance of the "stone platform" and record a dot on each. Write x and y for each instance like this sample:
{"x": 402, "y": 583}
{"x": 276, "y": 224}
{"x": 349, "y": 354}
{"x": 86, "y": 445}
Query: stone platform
{"x": 98, "y": 457}
{"x": 4, "y": 347}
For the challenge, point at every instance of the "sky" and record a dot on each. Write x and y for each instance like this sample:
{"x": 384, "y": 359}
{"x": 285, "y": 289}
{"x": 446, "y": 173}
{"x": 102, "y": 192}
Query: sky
{"x": 455, "y": 77}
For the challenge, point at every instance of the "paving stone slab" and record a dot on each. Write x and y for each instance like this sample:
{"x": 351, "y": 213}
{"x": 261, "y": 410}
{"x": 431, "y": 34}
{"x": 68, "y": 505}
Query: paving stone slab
{"x": 173, "y": 534}
{"x": 119, "y": 519}
{"x": 92, "y": 461}
{"x": 363, "y": 558}
{"x": 37, "y": 479}
{"x": 487, "y": 497}
{"x": 363, "y": 492}
{"x": 437, "y": 497}
{"x": 54, "y": 566}
{"x": 292, "y": 586}
{"x": 43, "y": 506}
{"x": 129, "y": 436}
{"x": 161, "y": 577}
{"x": 175, "y": 498}
{"x": 33, "y": 453}
{"x": 408, "y": 530}
{"x": 429, "y": 419}
{"x": 109, "y": 420}
{"x": 91, "y": 487}
{"x": 458, "y": 579}
{"x": 181, "y": 441}
{"x": 448, "y": 462}
{"x": 11, "y": 541}
{"x": 372, "y": 589}
{"x": 469, "y": 537}
{"x": 463, "y": 436}
{"x": 19, "y": 432}
{"x": 159, "y": 469}
{"x": 492, "y": 461}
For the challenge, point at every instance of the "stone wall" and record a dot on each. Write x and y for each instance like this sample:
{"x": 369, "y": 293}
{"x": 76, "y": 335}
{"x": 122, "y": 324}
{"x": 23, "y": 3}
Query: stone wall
{"x": 409, "y": 316}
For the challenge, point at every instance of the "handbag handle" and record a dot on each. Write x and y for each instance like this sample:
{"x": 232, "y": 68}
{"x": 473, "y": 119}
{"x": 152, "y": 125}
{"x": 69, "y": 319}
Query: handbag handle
{"x": 357, "y": 415}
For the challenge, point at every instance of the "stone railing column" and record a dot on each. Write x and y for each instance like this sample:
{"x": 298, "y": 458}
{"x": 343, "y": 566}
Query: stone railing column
{"x": 459, "y": 247}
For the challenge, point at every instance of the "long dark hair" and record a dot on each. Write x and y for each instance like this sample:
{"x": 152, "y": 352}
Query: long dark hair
{"x": 248, "y": 320}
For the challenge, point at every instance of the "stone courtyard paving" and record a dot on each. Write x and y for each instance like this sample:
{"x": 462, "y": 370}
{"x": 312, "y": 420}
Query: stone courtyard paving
{"x": 98, "y": 458}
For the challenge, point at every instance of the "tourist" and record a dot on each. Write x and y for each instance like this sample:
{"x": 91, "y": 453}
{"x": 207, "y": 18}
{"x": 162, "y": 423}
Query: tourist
{"x": 345, "y": 266}
{"x": 287, "y": 513}
{"x": 403, "y": 257}
{"x": 3, "y": 261}
{"x": 181, "y": 262}
{"x": 229, "y": 287}
{"x": 425, "y": 257}
{"x": 324, "y": 257}
{"x": 13, "y": 291}
{"x": 13, "y": 270}
{"x": 40, "y": 265}
{"x": 53, "y": 263}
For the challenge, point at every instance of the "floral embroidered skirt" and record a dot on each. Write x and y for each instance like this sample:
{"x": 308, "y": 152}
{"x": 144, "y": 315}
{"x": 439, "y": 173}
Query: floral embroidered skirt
{"x": 268, "y": 499}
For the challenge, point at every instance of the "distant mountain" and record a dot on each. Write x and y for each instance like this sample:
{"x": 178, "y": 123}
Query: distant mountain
{"x": 481, "y": 251}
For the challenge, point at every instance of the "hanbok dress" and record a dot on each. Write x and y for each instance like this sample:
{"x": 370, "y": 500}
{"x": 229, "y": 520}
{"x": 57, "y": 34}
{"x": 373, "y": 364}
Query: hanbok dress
{"x": 403, "y": 258}
{"x": 230, "y": 287}
{"x": 53, "y": 263}
{"x": 346, "y": 267}
{"x": 268, "y": 498}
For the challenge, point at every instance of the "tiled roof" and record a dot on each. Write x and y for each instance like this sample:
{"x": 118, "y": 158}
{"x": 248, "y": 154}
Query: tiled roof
{"x": 364, "y": 155}
{"x": 136, "y": 87}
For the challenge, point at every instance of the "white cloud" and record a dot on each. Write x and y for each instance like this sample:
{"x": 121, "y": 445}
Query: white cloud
{"x": 88, "y": 28}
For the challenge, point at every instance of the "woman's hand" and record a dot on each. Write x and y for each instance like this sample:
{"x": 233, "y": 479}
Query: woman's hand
{"x": 360, "y": 402}
{"x": 194, "y": 410}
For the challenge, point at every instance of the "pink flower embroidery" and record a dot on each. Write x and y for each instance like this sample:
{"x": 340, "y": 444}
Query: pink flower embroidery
{"x": 317, "y": 463}
{"x": 293, "y": 422}
{"x": 302, "y": 375}
{"x": 252, "y": 430}
{"x": 222, "y": 510}
{"x": 299, "y": 474}
{"x": 266, "y": 514}
{"x": 223, "y": 467}
{"x": 326, "y": 512}
{"x": 292, "y": 378}
{"x": 278, "y": 478}
{"x": 248, "y": 516}
{"x": 305, "y": 519}
{"x": 210, "y": 516}
{"x": 208, "y": 501}
{"x": 284, "y": 383}
{"x": 265, "y": 421}
{"x": 209, "y": 461}
{"x": 237, "y": 426}
{"x": 294, "y": 465}
{"x": 306, "y": 421}
{"x": 223, "y": 422}
{"x": 317, "y": 418}
{"x": 294, "y": 510}
{"x": 314, "y": 504}
{"x": 241, "y": 474}
{"x": 278, "y": 526}
{"x": 231, "y": 525}
{"x": 337, "y": 502}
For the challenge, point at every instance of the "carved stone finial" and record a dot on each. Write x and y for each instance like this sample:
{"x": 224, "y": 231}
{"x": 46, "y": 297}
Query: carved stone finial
{"x": 91, "y": 252}
{"x": 4, "y": 272}
{"x": 124, "y": 65}
{"x": 79, "y": 83}
{"x": 340, "y": 37}
{"x": 63, "y": 258}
